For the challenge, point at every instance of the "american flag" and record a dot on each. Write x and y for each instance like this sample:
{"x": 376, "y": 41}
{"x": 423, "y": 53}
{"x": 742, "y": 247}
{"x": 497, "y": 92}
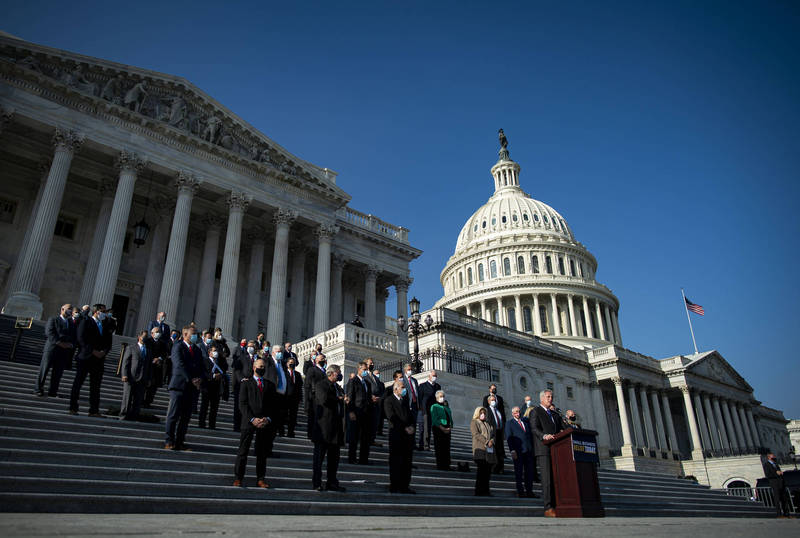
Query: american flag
{"x": 696, "y": 308}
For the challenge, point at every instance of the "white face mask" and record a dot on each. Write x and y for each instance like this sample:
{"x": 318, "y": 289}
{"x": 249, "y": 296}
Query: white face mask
{"x": 251, "y": 350}
{"x": 493, "y": 404}
{"x": 483, "y": 417}
{"x": 408, "y": 373}
{"x": 440, "y": 399}
{"x": 214, "y": 354}
{"x": 156, "y": 336}
{"x": 528, "y": 403}
{"x": 433, "y": 379}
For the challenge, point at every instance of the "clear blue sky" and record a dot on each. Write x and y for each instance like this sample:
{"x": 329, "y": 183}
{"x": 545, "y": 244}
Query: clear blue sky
{"x": 666, "y": 135}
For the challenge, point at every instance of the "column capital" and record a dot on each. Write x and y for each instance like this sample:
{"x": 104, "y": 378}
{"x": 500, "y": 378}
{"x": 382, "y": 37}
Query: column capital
{"x": 685, "y": 389}
{"x": 402, "y": 283}
{"x": 211, "y": 220}
{"x": 371, "y": 272}
{"x": 128, "y": 161}
{"x": 617, "y": 380}
{"x": 338, "y": 259}
{"x": 67, "y": 140}
{"x": 383, "y": 294}
{"x": 284, "y": 216}
{"x": 326, "y": 231}
{"x": 187, "y": 182}
{"x": 238, "y": 201}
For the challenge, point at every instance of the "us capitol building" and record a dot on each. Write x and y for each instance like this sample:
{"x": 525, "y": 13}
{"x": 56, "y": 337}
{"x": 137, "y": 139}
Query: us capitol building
{"x": 137, "y": 190}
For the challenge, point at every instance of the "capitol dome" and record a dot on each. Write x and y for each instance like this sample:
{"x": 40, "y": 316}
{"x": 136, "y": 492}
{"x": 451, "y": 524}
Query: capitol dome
{"x": 517, "y": 264}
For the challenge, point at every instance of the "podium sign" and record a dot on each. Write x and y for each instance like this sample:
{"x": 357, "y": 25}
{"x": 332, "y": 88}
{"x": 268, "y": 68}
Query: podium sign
{"x": 574, "y": 458}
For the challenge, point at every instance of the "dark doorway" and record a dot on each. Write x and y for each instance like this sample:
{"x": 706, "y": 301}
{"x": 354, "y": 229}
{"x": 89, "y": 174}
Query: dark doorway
{"x": 120, "y": 308}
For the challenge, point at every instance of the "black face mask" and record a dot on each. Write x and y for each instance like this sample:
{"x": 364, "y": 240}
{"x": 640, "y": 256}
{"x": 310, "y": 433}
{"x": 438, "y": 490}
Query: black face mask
{"x": 260, "y": 371}
{"x": 494, "y": 391}
{"x": 371, "y": 367}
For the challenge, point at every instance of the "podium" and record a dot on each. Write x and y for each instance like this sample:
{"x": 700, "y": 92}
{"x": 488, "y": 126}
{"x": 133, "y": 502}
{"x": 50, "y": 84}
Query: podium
{"x": 574, "y": 458}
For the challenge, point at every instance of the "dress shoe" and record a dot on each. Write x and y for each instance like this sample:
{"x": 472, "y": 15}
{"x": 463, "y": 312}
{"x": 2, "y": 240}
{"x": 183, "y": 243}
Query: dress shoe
{"x": 183, "y": 447}
{"x": 237, "y": 483}
{"x": 376, "y": 443}
{"x": 39, "y": 393}
{"x": 531, "y": 495}
{"x": 318, "y": 488}
{"x": 262, "y": 484}
{"x": 337, "y": 487}
{"x": 72, "y": 412}
{"x": 52, "y": 394}
{"x": 521, "y": 495}
{"x": 550, "y": 512}
{"x": 169, "y": 446}
{"x": 409, "y": 491}
{"x": 95, "y": 415}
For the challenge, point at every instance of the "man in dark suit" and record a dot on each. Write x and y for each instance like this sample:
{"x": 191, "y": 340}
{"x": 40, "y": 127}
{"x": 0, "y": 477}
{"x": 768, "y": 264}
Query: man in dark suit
{"x": 161, "y": 323}
{"x": 216, "y": 368}
{"x": 276, "y": 373}
{"x": 545, "y": 423}
{"x": 495, "y": 418}
{"x": 159, "y": 344}
{"x": 359, "y": 409}
{"x": 427, "y": 397}
{"x": 137, "y": 364}
{"x": 773, "y": 473}
{"x": 501, "y": 404}
{"x": 412, "y": 395}
{"x": 401, "y": 439}
{"x": 188, "y": 377}
{"x": 256, "y": 398}
{"x": 294, "y": 393}
{"x": 94, "y": 337}
{"x": 376, "y": 393}
{"x": 520, "y": 444}
{"x": 242, "y": 367}
{"x": 62, "y": 335}
{"x": 328, "y": 435}
{"x": 313, "y": 376}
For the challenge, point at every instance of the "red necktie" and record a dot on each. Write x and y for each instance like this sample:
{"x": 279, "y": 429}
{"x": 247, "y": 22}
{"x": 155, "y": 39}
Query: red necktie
{"x": 260, "y": 386}
{"x": 191, "y": 351}
{"x": 413, "y": 392}
{"x": 291, "y": 372}
{"x": 520, "y": 425}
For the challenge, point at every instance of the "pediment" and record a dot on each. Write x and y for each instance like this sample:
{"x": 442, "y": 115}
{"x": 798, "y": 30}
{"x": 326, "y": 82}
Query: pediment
{"x": 712, "y": 366}
{"x": 167, "y": 103}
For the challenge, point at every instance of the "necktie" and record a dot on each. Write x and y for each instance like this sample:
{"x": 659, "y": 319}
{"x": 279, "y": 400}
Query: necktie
{"x": 260, "y": 386}
{"x": 100, "y": 328}
{"x": 497, "y": 418}
{"x": 413, "y": 392}
{"x": 143, "y": 351}
{"x": 520, "y": 425}
{"x": 291, "y": 373}
{"x": 191, "y": 351}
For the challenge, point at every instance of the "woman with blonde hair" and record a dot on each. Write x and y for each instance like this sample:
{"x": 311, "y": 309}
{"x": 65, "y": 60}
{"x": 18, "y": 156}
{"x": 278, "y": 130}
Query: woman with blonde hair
{"x": 482, "y": 450}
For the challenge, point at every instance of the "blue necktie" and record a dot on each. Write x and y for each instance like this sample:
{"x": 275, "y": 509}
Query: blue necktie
{"x": 100, "y": 327}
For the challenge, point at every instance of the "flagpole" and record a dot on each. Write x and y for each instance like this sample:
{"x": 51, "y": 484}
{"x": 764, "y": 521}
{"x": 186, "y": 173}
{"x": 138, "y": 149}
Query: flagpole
{"x": 685, "y": 307}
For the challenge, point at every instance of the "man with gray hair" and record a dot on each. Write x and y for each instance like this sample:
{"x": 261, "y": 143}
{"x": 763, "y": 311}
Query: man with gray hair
{"x": 328, "y": 435}
{"x": 545, "y": 423}
{"x": 276, "y": 374}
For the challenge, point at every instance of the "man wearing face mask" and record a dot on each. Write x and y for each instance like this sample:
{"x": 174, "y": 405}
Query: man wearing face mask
{"x": 216, "y": 368}
{"x": 95, "y": 341}
{"x": 294, "y": 393}
{"x": 161, "y": 323}
{"x": 527, "y": 406}
{"x": 376, "y": 392}
{"x": 412, "y": 396}
{"x": 276, "y": 373}
{"x": 359, "y": 409}
{"x": 222, "y": 344}
{"x": 137, "y": 362}
{"x": 160, "y": 347}
{"x": 62, "y": 335}
{"x": 256, "y": 398}
{"x": 188, "y": 378}
{"x": 328, "y": 434}
{"x": 401, "y": 439}
{"x": 313, "y": 376}
{"x": 242, "y": 367}
{"x": 495, "y": 419}
{"x": 427, "y": 397}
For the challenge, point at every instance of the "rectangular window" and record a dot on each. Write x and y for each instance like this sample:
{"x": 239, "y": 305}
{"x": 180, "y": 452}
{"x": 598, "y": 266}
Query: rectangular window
{"x": 572, "y": 267}
{"x": 535, "y": 264}
{"x": 543, "y": 318}
{"x": 8, "y": 208}
{"x": 512, "y": 318}
{"x": 495, "y": 376}
{"x": 526, "y": 319}
{"x": 561, "y": 265}
{"x": 570, "y": 393}
{"x": 65, "y": 227}
{"x": 549, "y": 385}
{"x": 549, "y": 264}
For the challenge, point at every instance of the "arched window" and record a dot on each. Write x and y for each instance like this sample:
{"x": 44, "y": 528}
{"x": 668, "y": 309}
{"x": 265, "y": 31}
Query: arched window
{"x": 520, "y": 265}
{"x": 549, "y": 263}
{"x": 511, "y": 315}
{"x": 483, "y": 225}
{"x": 492, "y": 269}
{"x": 506, "y": 267}
{"x": 526, "y": 318}
{"x": 480, "y": 272}
{"x": 534, "y": 264}
{"x": 581, "y": 268}
{"x": 514, "y": 217}
{"x": 504, "y": 219}
{"x": 572, "y": 268}
{"x": 583, "y": 322}
{"x": 495, "y": 314}
{"x": 543, "y": 318}
{"x": 525, "y": 217}
{"x": 536, "y": 217}
{"x": 469, "y": 276}
{"x": 561, "y": 265}
{"x": 494, "y": 221}
{"x": 460, "y": 279}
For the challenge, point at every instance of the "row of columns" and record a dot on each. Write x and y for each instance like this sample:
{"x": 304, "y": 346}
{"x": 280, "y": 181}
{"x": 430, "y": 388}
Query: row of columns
{"x": 605, "y": 317}
{"x": 461, "y": 279}
{"x": 661, "y": 434}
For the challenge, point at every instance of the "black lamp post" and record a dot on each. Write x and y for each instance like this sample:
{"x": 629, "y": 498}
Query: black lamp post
{"x": 141, "y": 229}
{"x": 416, "y": 328}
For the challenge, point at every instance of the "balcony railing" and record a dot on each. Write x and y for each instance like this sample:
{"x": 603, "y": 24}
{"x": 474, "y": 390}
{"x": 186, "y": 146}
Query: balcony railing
{"x": 450, "y": 360}
{"x": 350, "y": 334}
{"x": 374, "y": 224}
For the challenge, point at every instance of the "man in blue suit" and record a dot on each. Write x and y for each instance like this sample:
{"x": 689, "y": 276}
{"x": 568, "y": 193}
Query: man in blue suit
{"x": 188, "y": 377}
{"x": 62, "y": 335}
{"x": 161, "y": 323}
{"x": 94, "y": 339}
{"x": 520, "y": 445}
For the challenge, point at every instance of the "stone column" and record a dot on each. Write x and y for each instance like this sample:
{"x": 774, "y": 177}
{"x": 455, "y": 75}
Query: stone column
{"x": 753, "y": 429}
{"x": 501, "y": 314}
{"x": 256, "y": 238}
{"x": 588, "y": 318}
{"x": 103, "y": 216}
{"x": 485, "y": 315}
{"x": 627, "y": 442}
{"x": 401, "y": 285}
{"x": 599, "y": 316}
{"x": 337, "y": 268}
{"x": 381, "y": 295}
{"x": 745, "y": 429}
{"x": 129, "y": 165}
{"x": 468, "y": 309}
{"x": 370, "y": 297}
{"x": 726, "y": 413}
{"x": 637, "y": 423}
{"x": 208, "y": 269}
{"x": 572, "y": 322}
{"x": 712, "y": 423}
{"x": 701, "y": 421}
{"x": 23, "y": 299}
{"x": 737, "y": 427}
{"x": 609, "y": 328}
{"x": 155, "y": 263}
{"x": 600, "y": 422}
{"x": 648, "y": 423}
{"x": 173, "y": 269}
{"x": 555, "y": 330}
{"x": 697, "y": 448}
{"x": 322, "y": 308}
{"x": 662, "y": 437}
{"x": 277, "y": 293}
{"x": 226, "y": 300}
{"x": 615, "y": 323}
{"x": 518, "y": 318}
{"x": 297, "y": 291}
{"x": 537, "y": 320}
{"x": 673, "y": 439}
{"x": 723, "y": 433}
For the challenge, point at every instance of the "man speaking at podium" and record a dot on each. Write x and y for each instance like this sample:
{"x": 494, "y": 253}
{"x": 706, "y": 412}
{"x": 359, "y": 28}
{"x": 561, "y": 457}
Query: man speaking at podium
{"x": 545, "y": 423}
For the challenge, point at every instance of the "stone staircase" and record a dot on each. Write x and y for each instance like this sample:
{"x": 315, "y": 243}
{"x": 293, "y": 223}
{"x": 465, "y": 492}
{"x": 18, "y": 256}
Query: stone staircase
{"x": 53, "y": 462}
